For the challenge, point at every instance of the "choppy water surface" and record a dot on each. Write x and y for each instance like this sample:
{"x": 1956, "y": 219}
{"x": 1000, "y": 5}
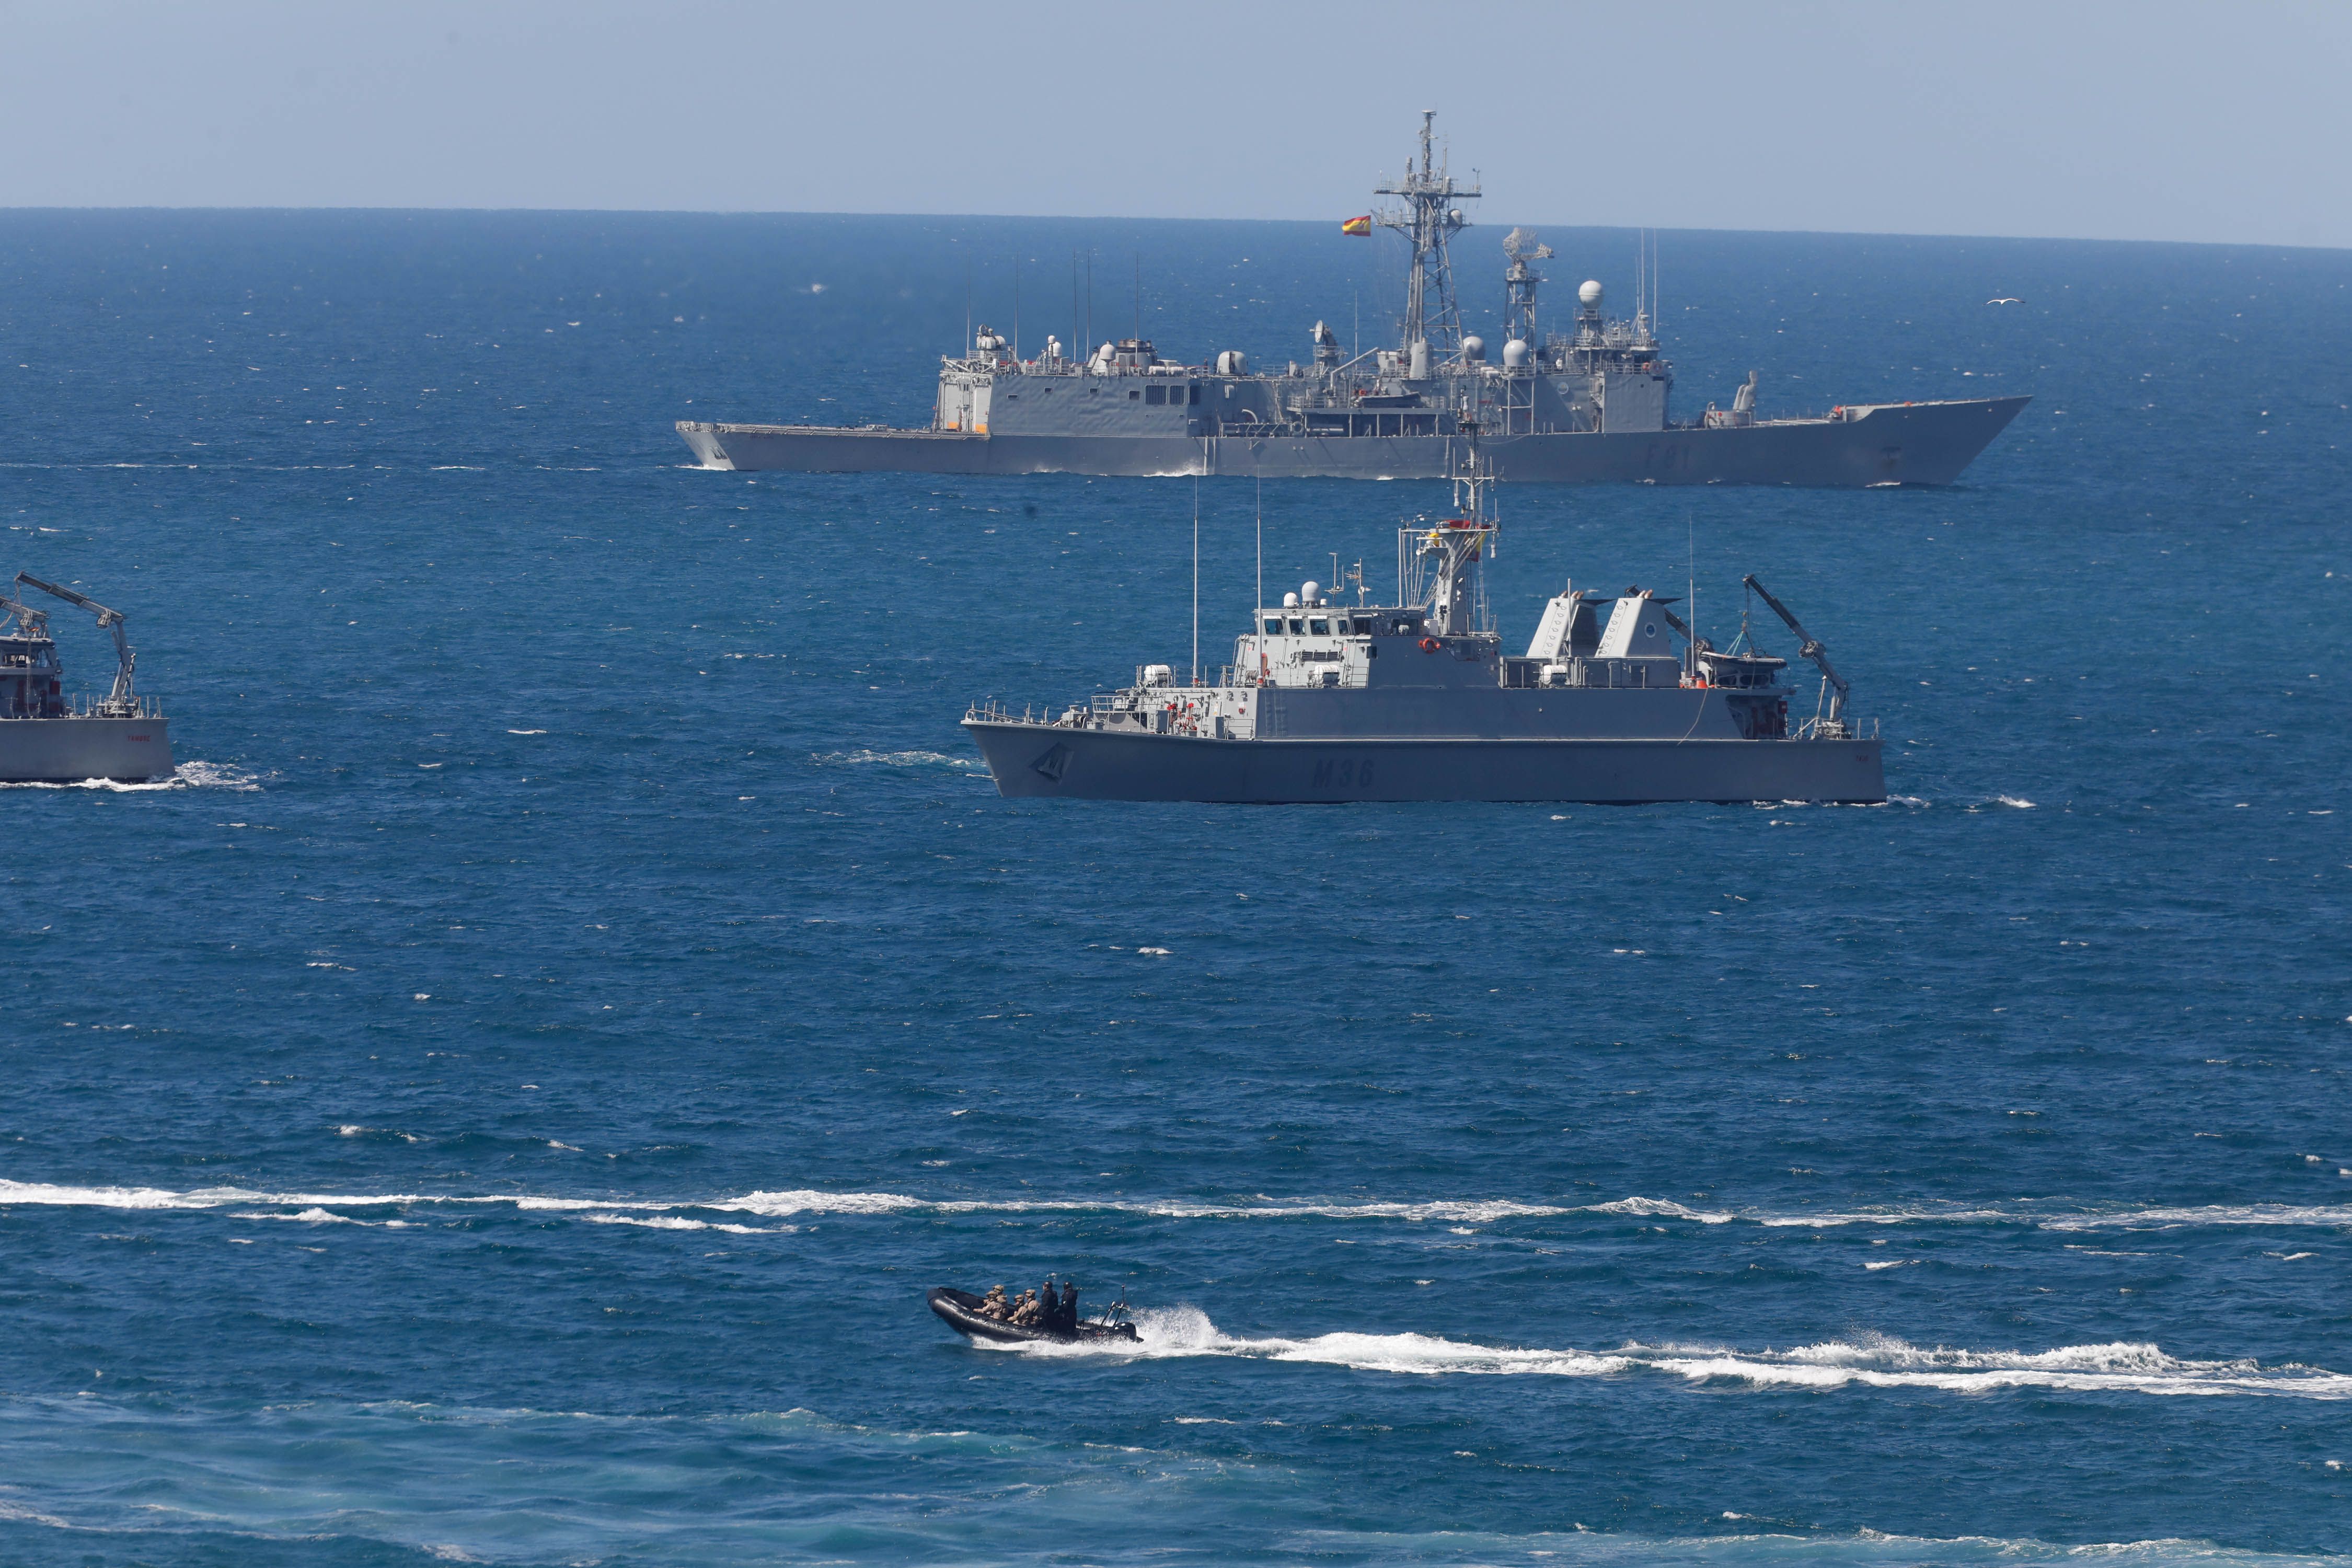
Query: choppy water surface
{"x": 504, "y": 1100}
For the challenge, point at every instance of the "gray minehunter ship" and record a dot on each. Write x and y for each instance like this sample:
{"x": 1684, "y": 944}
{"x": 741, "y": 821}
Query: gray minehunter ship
{"x": 1417, "y": 700}
{"x": 48, "y": 737}
{"x": 1585, "y": 405}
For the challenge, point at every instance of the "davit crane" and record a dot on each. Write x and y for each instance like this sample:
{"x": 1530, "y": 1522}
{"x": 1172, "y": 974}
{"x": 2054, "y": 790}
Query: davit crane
{"x": 1833, "y": 724}
{"x": 122, "y": 703}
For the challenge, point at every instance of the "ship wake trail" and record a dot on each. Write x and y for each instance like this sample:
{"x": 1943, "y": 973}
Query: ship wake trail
{"x": 187, "y": 775}
{"x": 1867, "y": 1362}
{"x": 900, "y": 760}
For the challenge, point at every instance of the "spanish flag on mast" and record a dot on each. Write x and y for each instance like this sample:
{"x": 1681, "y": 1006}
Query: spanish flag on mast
{"x": 1358, "y": 226}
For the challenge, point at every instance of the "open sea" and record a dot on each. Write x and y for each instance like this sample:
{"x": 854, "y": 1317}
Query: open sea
{"x": 504, "y": 1100}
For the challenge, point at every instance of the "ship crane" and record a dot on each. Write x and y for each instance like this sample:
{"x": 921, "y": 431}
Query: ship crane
{"x": 1833, "y": 726}
{"x": 120, "y": 703}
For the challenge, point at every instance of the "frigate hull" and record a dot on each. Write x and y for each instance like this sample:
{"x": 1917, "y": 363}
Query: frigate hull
{"x": 1888, "y": 444}
{"x": 70, "y": 750}
{"x": 1035, "y": 760}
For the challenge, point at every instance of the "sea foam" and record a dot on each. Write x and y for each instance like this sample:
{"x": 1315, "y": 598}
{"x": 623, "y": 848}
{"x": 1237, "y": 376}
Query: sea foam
{"x": 1869, "y": 1362}
{"x": 2041, "y": 1215}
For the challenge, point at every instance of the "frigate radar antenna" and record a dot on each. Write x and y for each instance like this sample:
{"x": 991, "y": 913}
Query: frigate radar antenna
{"x": 1428, "y": 220}
{"x": 1520, "y": 282}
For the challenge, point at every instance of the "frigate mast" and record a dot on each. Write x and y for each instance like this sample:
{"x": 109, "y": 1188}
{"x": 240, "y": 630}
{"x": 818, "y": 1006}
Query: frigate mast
{"x": 1427, "y": 220}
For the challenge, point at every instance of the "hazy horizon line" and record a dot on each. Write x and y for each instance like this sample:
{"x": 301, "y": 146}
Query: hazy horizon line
{"x": 1538, "y": 223}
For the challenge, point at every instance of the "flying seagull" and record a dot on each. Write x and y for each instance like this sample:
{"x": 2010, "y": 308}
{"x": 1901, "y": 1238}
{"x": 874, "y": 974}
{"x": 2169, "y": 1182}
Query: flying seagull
{"x": 2004, "y": 301}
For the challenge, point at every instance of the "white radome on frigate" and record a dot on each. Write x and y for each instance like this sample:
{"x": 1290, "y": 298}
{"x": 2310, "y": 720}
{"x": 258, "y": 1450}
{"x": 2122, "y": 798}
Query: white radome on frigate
{"x": 1584, "y": 405}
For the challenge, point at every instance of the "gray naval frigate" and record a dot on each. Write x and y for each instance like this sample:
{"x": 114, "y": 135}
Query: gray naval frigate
{"x": 1416, "y": 701}
{"x": 49, "y": 737}
{"x": 1583, "y": 406}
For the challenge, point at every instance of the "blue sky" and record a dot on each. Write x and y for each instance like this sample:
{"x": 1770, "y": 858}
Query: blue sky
{"x": 2149, "y": 120}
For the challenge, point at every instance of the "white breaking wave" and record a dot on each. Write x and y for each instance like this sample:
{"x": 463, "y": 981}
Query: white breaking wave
{"x": 802, "y": 1201}
{"x": 805, "y": 1201}
{"x": 60, "y": 1196}
{"x": 2338, "y": 1216}
{"x": 118, "y": 1197}
{"x": 1491, "y": 1210}
{"x": 784, "y": 1204}
{"x": 1872, "y": 1363}
{"x": 673, "y": 1221}
{"x": 1661, "y": 1208}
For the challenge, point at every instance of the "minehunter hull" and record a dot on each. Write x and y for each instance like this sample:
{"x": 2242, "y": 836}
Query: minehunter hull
{"x": 1886, "y": 443}
{"x": 69, "y": 750}
{"x": 1050, "y": 761}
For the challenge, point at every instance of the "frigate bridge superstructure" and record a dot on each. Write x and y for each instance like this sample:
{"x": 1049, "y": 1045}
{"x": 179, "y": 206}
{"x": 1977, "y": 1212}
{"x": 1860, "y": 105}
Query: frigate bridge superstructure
{"x": 1617, "y": 699}
{"x": 1587, "y": 404}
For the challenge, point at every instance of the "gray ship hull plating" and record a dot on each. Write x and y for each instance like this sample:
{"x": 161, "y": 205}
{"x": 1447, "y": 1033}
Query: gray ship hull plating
{"x": 71, "y": 750}
{"x": 1883, "y": 444}
{"x": 1033, "y": 760}
{"x": 1329, "y": 701}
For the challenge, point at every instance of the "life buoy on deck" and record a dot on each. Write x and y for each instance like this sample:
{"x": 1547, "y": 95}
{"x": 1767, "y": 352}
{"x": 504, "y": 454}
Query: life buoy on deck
{"x": 1430, "y": 645}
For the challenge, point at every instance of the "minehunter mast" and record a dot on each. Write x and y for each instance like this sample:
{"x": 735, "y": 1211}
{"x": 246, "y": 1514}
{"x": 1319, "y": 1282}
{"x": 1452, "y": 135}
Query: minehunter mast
{"x": 1437, "y": 563}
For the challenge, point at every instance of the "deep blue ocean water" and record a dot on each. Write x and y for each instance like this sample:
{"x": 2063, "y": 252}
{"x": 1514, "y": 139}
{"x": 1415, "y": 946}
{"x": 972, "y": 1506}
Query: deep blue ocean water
{"x": 506, "y": 1100}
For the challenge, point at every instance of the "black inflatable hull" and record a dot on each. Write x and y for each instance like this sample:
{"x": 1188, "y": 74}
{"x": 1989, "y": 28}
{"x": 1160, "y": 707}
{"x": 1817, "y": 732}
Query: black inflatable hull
{"x": 960, "y": 1309}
